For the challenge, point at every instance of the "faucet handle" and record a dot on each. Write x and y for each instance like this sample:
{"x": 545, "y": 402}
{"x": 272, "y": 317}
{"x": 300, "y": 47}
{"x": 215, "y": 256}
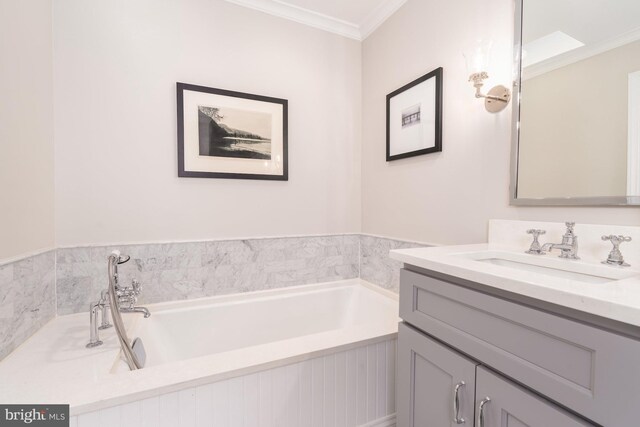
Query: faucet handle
{"x": 615, "y": 256}
{"x": 570, "y": 226}
{"x": 535, "y": 248}
{"x": 135, "y": 285}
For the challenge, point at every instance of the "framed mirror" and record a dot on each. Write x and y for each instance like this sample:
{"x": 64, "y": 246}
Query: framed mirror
{"x": 576, "y": 109}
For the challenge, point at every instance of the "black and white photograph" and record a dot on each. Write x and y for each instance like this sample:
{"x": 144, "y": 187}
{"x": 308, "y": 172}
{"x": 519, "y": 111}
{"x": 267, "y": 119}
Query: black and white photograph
{"x": 414, "y": 118}
{"x": 411, "y": 116}
{"x": 226, "y": 134}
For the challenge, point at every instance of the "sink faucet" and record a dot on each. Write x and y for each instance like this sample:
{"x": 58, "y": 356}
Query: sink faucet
{"x": 569, "y": 246}
{"x": 126, "y": 298}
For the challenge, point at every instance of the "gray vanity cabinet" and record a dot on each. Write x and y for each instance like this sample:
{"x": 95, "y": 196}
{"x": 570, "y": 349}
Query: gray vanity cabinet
{"x": 437, "y": 387}
{"x": 583, "y": 367}
{"x": 512, "y": 406}
{"x": 437, "y": 383}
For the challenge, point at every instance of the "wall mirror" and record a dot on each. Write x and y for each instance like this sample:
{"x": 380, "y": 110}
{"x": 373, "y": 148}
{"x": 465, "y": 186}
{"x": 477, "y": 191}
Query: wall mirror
{"x": 576, "y": 118}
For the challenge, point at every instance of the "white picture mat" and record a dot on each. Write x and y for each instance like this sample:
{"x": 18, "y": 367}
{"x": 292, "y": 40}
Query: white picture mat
{"x": 194, "y": 162}
{"x": 419, "y": 136}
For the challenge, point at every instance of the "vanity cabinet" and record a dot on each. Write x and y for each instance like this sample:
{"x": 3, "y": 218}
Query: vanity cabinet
{"x": 514, "y": 406}
{"x": 438, "y": 384}
{"x": 438, "y": 387}
{"x": 518, "y": 353}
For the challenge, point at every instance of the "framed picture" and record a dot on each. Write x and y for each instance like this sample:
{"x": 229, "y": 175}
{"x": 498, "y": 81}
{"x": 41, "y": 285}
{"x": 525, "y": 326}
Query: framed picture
{"x": 225, "y": 134}
{"x": 414, "y": 118}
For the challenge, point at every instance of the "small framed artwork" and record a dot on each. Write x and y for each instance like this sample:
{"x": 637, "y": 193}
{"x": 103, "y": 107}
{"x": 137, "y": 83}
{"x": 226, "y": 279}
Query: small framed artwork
{"x": 233, "y": 135}
{"x": 414, "y": 118}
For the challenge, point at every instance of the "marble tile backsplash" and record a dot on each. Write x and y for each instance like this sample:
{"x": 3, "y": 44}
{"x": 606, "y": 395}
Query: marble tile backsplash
{"x": 27, "y": 298}
{"x": 175, "y": 271}
{"x": 375, "y": 264}
{"x": 66, "y": 281}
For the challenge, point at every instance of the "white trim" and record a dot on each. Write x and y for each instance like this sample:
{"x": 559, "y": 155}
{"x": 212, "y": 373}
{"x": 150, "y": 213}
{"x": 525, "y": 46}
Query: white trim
{"x": 379, "y": 236}
{"x": 388, "y": 421}
{"x": 633, "y": 147}
{"x": 579, "y": 54}
{"x": 298, "y": 14}
{"x": 378, "y": 16}
{"x": 24, "y": 256}
{"x": 182, "y": 241}
{"x": 303, "y": 16}
{"x": 222, "y": 239}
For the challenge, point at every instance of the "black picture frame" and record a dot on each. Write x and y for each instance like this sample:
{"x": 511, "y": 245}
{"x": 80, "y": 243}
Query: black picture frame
{"x": 182, "y": 172}
{"x": 437, "y": 74}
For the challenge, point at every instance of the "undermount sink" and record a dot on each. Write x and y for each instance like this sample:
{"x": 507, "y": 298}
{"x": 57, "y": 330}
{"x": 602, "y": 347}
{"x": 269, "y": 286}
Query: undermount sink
{"x": 553, "y": 267}
{"x": 547, "y": 271}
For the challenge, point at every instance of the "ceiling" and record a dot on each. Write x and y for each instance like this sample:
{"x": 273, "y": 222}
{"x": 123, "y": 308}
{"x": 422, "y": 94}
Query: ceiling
{"x": 589, "y": 21}
{"x": 354, "y": 11}
{"x": 558, "y": 32}
{"x": 350, "y": 18}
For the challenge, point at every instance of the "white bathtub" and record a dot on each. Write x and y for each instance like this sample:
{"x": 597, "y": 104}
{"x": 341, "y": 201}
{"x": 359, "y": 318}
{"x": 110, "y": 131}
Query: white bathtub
{"x": 276, "y": 338}
{"x": 310, "y": 317}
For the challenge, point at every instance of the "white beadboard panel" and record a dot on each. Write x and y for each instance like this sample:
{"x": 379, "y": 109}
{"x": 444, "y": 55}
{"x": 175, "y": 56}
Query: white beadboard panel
{"x": 131, "y": 415}
{"x": 381, "y": 379}
{"x": 341, "y": 389}
{"x": 265, "y": 400}
{"x": 352, "y": 387}
{"x": 361, "y": 390}
{"x": 391, "y": 377}
{"x": 169, "y": 410}
{"x": 251, "y": 391}
{"x": 317, "y": 392}
{"x": 150, "y": 411}
{"x": 329, "y": 391}
{"x": 349, "y": 388}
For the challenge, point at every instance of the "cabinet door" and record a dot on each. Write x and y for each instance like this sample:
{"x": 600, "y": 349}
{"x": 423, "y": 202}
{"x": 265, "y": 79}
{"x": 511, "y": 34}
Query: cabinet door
{"x": 513, "y": 406}
{"x": 431, "y": 377}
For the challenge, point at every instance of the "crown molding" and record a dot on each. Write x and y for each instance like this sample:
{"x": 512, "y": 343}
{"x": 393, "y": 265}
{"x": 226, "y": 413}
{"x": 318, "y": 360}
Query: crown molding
{"x": 303, "y": 16}
{"x": 378, "y": 16}
{"x": 579, "y": 54}
{"x": 324, "y": 22}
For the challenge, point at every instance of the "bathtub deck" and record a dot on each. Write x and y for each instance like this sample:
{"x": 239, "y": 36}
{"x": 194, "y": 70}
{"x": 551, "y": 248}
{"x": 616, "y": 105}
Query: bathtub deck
{"x": 54, "y": 366}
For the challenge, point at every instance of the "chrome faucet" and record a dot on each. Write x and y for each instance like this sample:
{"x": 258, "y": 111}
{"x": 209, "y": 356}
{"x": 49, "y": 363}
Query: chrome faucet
{"x": 126, "y": 299}
{"x": 615, "y": 256}
{"x": 569, "y": 246}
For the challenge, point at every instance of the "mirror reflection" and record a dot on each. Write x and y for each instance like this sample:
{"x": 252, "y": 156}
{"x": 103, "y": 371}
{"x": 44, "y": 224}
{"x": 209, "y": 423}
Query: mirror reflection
{"x": 580, "y": 100}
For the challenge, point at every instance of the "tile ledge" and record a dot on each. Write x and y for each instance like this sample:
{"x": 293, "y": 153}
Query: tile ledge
{"x": 23, "y": 256}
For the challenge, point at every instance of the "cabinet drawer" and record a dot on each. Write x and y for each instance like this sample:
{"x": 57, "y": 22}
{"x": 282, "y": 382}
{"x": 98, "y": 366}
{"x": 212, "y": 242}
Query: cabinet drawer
{"x": 591, "y": 371}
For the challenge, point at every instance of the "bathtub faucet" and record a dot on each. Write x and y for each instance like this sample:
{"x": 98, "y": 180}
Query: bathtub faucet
{"x": 126, "y": 299}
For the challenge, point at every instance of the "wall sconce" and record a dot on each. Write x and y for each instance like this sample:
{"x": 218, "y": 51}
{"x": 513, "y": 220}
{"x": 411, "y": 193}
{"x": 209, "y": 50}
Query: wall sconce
{"x": 477, "y": 59}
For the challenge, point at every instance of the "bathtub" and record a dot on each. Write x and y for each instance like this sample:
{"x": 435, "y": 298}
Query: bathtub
{"x": 338, "y": 336}
{"x": 311, "y": 317}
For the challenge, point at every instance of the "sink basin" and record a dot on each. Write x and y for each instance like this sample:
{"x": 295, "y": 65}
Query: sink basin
{"x": 551, "y": 266}
{"x": 547, "y": 271}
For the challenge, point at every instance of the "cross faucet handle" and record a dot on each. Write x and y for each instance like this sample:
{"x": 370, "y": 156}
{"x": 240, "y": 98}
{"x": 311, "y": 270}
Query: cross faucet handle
{"x": 570, "y": 226}
{"x": 615, "y": 256}
{"x": 535, "y": 248}
{"x": 135, "y": 286}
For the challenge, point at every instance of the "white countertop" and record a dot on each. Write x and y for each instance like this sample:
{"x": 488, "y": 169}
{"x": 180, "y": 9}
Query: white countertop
{"x": 617, "y": 300}
{"x": 53, "y": 366}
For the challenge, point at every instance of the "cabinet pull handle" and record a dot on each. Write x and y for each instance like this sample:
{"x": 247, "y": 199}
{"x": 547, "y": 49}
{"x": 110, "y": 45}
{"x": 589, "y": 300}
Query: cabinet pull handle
{"x": 481, "y": 411}
{"x": 456, "y": 404}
